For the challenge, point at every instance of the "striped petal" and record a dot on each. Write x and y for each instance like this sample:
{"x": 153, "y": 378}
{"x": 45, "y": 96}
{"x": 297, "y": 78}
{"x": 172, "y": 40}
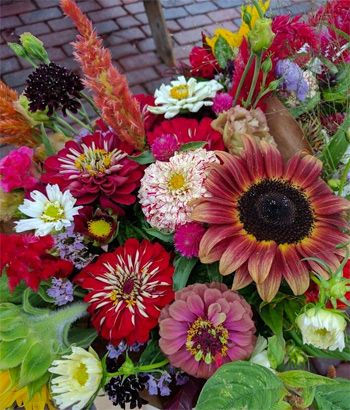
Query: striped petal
{"x": 207, "y": 212}
{"x": 328, "y": 204}
{"x": 214, "y": 235}
{"x": 261, "y": 260}
{"x": 308, "y": 169}
{"x": 242, "y": 278}
{"x": 269, "y": 288}
{"x": 273, "y": 160}
{"x": 253, "y": 157}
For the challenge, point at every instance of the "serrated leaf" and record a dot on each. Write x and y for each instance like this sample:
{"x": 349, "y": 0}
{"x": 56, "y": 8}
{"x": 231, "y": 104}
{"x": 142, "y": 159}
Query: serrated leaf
{"x": 335, "y": 398}
{"x": 223, "y": 51}
{"x": 241, "y": 386}
{"x": 143, "y": 159}
{"x": 12, "y": 353}
{"x": 35, "y": 363}
{"x": 192, "y": 145}
{"x": 183, "y": 269}
{"x": 303, "y": 379}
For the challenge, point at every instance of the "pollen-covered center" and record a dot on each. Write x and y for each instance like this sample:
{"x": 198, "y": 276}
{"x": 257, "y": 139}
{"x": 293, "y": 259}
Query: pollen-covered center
{"x": 53, "y": 211}
{"x": 99, "y": 228}
{"x": 206, "y": 342}
{"x": 94, "y": 161}
{"x": 176, "y": 181}
{"x": 179, "y": 92}
{"x": 80, "y": 374}
{"x": 276, "y": 210}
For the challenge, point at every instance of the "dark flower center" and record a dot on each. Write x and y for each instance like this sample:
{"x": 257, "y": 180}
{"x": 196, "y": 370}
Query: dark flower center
{"x": 276, "y": 210}
{"x": 128, "y": 286}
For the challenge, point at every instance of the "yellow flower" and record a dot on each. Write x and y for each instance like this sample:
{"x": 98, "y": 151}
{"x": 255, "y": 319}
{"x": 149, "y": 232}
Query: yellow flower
{"x": 235, "y": 39}
{"x": 11, "y": 395}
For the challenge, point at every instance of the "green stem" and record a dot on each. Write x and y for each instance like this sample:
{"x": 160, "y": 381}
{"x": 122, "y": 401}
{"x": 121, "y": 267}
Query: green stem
{"x": 241, "y": 81}
{"x": 344, "y": 178}
{"x": 84, "y": 113}
{"x": 45, "y": 139}
{"x": 65, "y": 124}
{"x": 78, "y": 121}
{"x": 259, "y": 9}
{"x": 149, "y": 367}
{"x": 262, "y": 90}
{"x": 58, "y": 129}
{"x": 255, "y": 79}
{"x": 91, "y": 102}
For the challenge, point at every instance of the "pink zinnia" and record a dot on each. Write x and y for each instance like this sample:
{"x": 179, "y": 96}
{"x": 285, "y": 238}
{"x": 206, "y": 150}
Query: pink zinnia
{"x": 206, "y": 326}
{"x": 164, "y": 147}
{"x": 17, "y": 170}
{"x": 187, "y": 238}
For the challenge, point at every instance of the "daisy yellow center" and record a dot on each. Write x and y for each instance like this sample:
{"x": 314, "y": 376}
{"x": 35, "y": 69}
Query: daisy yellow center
{"x": 99, "y": 228}
{"x": 94, "y": 161}
{"x": 80, "y": 374}
{"x": 206, "y": 342}
{"x": 176, "y": 181}
{"x": 53, "y": 211}
{"x": 179, "y": 92}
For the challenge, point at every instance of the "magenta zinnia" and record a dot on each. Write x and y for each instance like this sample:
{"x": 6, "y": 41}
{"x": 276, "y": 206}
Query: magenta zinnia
{"x": 95, "y": 170}
{"x": 127, "y": 290}
{"x": 266, "y": 218}
{"x": 206, "y": 326}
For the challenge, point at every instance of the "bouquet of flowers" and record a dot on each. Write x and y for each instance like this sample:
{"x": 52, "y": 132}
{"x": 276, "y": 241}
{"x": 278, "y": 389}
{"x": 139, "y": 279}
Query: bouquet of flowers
{"x": 189, "y": 248}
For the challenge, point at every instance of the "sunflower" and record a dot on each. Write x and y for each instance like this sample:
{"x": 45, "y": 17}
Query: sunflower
{"x": 266, "y": 218}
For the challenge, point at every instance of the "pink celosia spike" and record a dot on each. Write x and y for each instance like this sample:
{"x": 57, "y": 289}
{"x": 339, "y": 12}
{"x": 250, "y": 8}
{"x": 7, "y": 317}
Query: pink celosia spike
{"x": 110, "y": 89}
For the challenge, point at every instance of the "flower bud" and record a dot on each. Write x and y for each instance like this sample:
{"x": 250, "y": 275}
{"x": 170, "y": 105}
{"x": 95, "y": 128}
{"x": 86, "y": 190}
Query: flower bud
{"x": 266, "y": 66}
{"x": 34, "y": 47}
{"x": 322, "y": 328}
{"x": 274, "y": 85}
{"x": 295, "y": 354}
{"x": 247, "y": 17}
{"x": 261, "y": 35}
{"x": 18, "y": 50}
{"x": 334, "y": 184}
{"x": 35, "y": 118}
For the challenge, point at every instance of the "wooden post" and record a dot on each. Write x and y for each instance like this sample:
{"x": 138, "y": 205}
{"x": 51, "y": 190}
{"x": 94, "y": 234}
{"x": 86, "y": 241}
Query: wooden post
{"x": 160, "y": 32}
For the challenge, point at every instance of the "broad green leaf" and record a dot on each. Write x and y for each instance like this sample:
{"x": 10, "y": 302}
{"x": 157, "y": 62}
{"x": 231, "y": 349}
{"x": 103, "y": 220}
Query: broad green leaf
{"x": 272, "y": 315}
{"x": 282, "y": 405}
{"x": 12, "y": 353}
{"x": 183, "y": 269}
{"x": 144, "y": 159}
{"x": 213, "y": 272}
{"x": 165, "y": 237}
{"x": 308, "y": 396}
{"x": 223, "y": 51}
{"x": 81, "y": 337}
{"x": 276, "y": 350}
{"x": 35, "y": 363}
{"x": 336, "y": 397}
{"x": 35, "y": 386}
{"x": 303, "y": 379}
{"x": 6, "y": 295}
{"x": 340, "y": 93}
{"x": 17, "y": 332}
{"x": 192, "y": 145}
{"x": 241, "y": 386}
{"x": 151, "y": 354}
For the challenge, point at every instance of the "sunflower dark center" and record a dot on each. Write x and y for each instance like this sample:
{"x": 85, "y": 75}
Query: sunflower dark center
{"x": 275, "y": 210}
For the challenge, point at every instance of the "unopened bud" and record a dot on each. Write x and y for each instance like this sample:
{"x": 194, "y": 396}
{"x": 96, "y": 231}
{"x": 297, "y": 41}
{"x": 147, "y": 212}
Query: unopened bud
{"x": 266, "y": 66}
{"x": 34, "y": 47}
{"x": 261, "y": 35}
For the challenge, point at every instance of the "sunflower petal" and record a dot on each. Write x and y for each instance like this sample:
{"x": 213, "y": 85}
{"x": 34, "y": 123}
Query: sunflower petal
{"x": 253, "y": 157}
{"x": 273, "y": 160}
{"x": 308, "y": 170}
{"x": 207, "y": 212}
{"x": 260, "y": 261}
{"x": 214, "y": 235}
{"x": 295, "y": 271}
{"x": 327, "y": 204}
{"x": 269, "y": 288}
{"x": 242, "y": 278}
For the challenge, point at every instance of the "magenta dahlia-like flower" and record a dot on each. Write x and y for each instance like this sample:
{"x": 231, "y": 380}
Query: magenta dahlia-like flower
{"x": 206, "y": 326}
{"x": 95, "y": 170}
{"x": 187, "y": 238}
{"x": 164, "y": 147}
{"x": 222, "y": 102}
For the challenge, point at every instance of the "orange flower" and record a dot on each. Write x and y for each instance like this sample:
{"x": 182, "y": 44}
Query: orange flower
{"x": 111, "y": 93}
{"x": 15, "y": 129}
{"x": 265, "y": 218}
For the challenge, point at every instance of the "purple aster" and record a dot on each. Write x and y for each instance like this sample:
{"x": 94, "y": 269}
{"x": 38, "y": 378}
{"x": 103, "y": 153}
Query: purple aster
{"x": 115, "y": 352}
{"x": 164, "y": 147}
{"x": 151, "y": 385}
{"x": 61, "y": 291}
{"x": 293, "y": 79}
{"x": 163, "y": 384}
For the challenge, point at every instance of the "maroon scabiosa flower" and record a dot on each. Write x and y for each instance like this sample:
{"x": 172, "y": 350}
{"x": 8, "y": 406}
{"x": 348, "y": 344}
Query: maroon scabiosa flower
{"x": 187, "y": 238}
{"x": 95, "y": 170}
{"x": 53, "y": 87}
{"x": 206, "y": 326}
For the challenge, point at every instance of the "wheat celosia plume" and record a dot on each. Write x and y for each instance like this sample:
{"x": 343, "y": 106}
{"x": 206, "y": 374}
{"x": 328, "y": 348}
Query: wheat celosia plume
{"x": 15, "y": 129}
{"x": 110, "y": 89}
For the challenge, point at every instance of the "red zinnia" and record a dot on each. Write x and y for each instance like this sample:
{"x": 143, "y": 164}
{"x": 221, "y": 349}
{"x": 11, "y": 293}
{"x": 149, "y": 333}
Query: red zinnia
{"x": 26, "y": 257}
{"x": 188, "y": 130}
{"x": 128, "y": 288}
{"x": 95, "y": 170}
{"x": 203, "y": 63}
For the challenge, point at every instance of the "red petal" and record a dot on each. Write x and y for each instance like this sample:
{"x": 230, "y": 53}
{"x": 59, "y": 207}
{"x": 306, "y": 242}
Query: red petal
{"x": 328, "y": 204}
{"x": 309, "y": 168}
{"x": 242, "y": 278}
{"x": 260, "y": 261}
{"x": 273, "y": 160}
{"x": 204, "y": 211}
{"x": 269, "y": 288}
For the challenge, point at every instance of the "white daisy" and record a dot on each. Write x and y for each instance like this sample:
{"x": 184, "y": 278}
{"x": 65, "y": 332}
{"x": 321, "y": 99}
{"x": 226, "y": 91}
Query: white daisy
{"x": 181, "y": 94}
{"x": 167, "y": 188}
{"x": 322, "y": 328}
{"x": 78, "y": 380}
{"x": 52, "y": 212}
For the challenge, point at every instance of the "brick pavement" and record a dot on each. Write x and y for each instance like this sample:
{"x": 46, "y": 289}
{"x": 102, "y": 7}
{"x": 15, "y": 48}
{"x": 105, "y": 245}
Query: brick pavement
{"x": 124, "y": 27}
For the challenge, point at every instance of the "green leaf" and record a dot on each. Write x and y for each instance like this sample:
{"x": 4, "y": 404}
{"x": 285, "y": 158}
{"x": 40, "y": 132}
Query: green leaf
{"x": 223, "y": 51}
{"x": 35, "y": 363}
{"x": 336, "y": 148}
{"x": 276, "y": 350}
{"x": 340, "y": 93}
{"x": 18, "y": 332}
{"x": 12, "y": 353}
{"x": 241, "y": 386}
{"x": 165, "y": 237}
{"x": 213, "y": 272}
{"x": 145, "y": 158}
{"x": 34, "y": 387}
{"x": 282, "y": 405}
{"x": 183, "y": 268}
{"x": 307, "y": 106}
{"x": 81, "y": 337}
{"x": 308, "y": 396}
{"x": 272, "y": 315}
{"x": 303, "y": 379}
{"x": 193, "y": 145}
{"x": 151, "y": 354}
{"x": 335, "y": 398}
{"x": 6, "y": 295}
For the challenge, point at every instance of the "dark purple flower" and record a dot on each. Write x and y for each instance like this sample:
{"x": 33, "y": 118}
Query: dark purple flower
{"x": 293, "y": 79}
{"x": 61, "y": 291}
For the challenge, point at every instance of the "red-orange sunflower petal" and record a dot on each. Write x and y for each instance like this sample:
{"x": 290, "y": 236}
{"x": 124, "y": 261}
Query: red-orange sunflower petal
{"x": 269, "y": 288}
{"x": 260, "y": 261}
{"x": 242, "y": 278}
{"x": 303, "y": 170}
{"x": 273, "y": 160}
{"x": 295, "y": 271}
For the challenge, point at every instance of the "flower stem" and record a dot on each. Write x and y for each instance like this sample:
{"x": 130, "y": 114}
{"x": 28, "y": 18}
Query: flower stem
{"x": 262, "y": 90}
{"x": 91, "y": 102}
{"x": 65, "y": 124}
{"x": 344, "y": 177}
{"x": 149, "y": 367}
{"x": 78, "y": 121}
{"x": 241, "y": 81}
{"x": 258, "y": 8}
{"x": 255, "y": 79}
{"x": 45, "y": 139}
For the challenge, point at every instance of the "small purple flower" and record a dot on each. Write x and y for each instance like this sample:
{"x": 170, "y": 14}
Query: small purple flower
{"x": 163, "y": 384}
{"x": 135, "y": 347}
{"x": 293, "y": 79}
{"x": 181, "y": 378}
{"x": 61, "y": 291}
{"x": 222, "y": 102}
{"x": 151, "y": 385}
{"x": 115, "y": 352}
{"x": 164, "y": 147}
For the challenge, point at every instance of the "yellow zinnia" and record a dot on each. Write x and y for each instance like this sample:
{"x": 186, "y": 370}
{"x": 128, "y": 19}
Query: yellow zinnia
{"x": 235, "y": 39}
{"x": 10, "y": 394}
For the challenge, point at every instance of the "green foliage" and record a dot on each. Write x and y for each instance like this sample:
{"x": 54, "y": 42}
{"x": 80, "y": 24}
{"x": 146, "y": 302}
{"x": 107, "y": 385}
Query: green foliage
{"x": 183, "y": 268}
{"x": 6, "y": 295}
{"x": 151, "y": 354}
{"x": 309, "y": 105}
{"x": 272, "y": 315}
{"x": 276, "y": 350}
{"x": 155, "y": 233}
{"x": 223, "y": 52}
{"x": 340, "y": 93}
{"x": 144, "y": 158}
{"x": 36, "y": 362}
{"x": 241, "y": 386}
{"x": 302, "y": 379}
{"x": 335, "y": 398}
{"x": 192, "y": 145}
